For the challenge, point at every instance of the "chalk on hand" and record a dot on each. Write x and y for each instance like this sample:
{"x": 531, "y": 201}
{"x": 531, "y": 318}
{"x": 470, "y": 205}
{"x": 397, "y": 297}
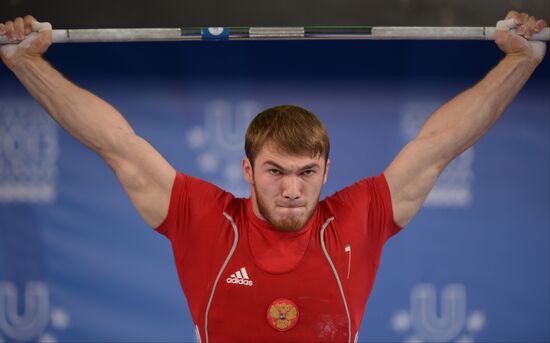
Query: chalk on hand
{"x": 506, "y": 25}
{"x": 40, "y": 27}
{"x": 10, "y": 49}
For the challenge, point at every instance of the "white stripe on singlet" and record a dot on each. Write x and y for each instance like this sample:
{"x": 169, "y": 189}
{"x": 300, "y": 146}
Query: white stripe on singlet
{"x": 220, "y": 273}
{"x": 335, "y": 274}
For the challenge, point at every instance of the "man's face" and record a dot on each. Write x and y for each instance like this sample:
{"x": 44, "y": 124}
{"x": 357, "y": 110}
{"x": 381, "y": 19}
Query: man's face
{"x": 285, "y": 188}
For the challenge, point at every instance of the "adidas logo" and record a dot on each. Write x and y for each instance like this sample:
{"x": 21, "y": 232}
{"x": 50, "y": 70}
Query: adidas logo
{"x": 240, "y": 278}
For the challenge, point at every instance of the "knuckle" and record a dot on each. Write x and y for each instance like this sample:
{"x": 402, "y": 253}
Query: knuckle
{"x": 512, "y": 14}
{"x": 524, "y": 18}
{"x": 28, "y": 20}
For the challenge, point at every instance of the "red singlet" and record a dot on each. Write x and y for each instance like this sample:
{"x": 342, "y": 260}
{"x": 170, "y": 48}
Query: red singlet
{"x": 247, "y": 282}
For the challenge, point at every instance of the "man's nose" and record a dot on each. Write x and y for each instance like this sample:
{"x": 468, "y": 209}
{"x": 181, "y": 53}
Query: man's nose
{"x": 291, "y": 188}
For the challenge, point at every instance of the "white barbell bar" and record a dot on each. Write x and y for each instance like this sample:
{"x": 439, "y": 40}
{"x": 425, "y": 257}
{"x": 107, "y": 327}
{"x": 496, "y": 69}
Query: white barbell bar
{"x": 278, "y": 33}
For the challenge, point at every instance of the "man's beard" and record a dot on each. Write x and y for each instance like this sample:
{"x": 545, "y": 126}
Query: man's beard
{"x": 290, "y": 223}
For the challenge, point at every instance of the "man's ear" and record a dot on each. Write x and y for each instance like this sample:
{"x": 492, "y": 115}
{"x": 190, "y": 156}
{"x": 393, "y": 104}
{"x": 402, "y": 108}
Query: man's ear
{"x": 248, "y": 171}
{"x": 327, "y": 167}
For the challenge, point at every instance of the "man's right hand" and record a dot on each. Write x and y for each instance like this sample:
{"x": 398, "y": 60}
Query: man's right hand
{"x": 34, "y": 39}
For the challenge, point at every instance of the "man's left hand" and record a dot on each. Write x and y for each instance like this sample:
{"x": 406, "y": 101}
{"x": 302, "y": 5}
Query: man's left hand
{"x": 516, "y": 43}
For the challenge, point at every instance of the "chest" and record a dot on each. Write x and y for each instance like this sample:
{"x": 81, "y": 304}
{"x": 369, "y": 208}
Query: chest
{"x": 305, "y": 303}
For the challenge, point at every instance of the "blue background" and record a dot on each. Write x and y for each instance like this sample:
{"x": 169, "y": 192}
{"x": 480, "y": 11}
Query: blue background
{"x": 115, "y": 278}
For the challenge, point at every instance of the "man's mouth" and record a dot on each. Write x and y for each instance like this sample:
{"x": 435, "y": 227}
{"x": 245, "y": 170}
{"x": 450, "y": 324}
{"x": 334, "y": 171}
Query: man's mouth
{"x": 291, "y": 206}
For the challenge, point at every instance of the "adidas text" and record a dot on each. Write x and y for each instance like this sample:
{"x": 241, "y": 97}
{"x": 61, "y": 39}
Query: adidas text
{"x": 239, "y": 281}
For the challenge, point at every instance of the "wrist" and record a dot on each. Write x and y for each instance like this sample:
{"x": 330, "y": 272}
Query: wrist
{"x": 522, "y": 59}
{"x": 24, "y": 63}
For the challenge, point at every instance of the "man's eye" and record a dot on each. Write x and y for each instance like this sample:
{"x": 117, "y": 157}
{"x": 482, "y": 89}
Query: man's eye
{"x": 308, "y": 172}
{"x": 274, "y": 171}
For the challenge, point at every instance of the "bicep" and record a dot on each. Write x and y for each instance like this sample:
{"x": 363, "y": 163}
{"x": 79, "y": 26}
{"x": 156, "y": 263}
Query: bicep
{"x": 145, "y": 175}
{"x": 412, "y": 175}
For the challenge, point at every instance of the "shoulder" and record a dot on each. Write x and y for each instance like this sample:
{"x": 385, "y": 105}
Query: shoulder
{"x": 358, "y": 193}
{"x": 364, "y": 207}
{"x": 195, "y": 188}
{"x": 194, "y": 201}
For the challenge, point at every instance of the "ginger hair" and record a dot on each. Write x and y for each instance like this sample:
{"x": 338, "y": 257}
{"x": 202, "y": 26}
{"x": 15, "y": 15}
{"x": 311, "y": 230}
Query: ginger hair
{"x": 291, "y": 129}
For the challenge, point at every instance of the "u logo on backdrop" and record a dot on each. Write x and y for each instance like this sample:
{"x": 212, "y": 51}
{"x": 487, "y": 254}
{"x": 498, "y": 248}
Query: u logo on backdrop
{"x": 31, "y": 324}
{"x": 422, "y": 323}
{"x": 219, "y": 142}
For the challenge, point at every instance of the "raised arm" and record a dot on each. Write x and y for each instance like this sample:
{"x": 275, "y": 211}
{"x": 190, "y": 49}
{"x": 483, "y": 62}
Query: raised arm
{"x": 462, "y": 121}
{"x": 145, "y": 175}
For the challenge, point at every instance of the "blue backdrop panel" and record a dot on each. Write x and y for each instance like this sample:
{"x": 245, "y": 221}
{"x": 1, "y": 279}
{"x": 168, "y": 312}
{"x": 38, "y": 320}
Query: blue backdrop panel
{"x": 78, "y": 264}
